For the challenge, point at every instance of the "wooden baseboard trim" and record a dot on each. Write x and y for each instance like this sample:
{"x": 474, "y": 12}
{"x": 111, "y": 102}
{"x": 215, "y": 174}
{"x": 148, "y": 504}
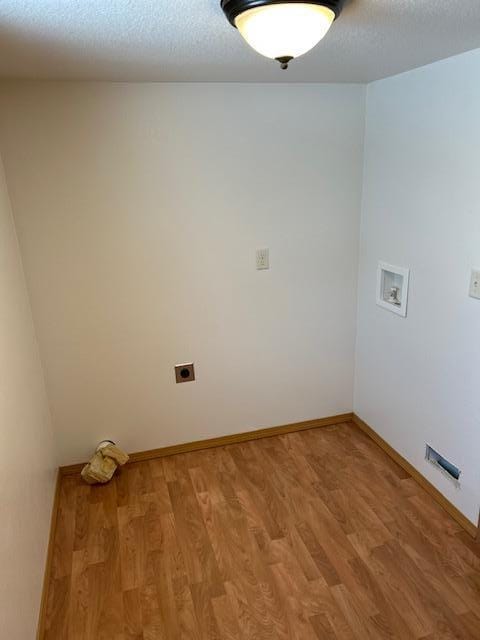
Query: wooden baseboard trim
{"x": 457, "y": 515}
{"x": 222, "y": 441}
{"x": 42, "y": 616}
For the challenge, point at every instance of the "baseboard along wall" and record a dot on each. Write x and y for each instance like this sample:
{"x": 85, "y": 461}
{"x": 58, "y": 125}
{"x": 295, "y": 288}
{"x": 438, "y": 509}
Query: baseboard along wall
{"x": 222, "y": 441}
{"x": 457, "y": 515}
{"x": 49, "y": 559}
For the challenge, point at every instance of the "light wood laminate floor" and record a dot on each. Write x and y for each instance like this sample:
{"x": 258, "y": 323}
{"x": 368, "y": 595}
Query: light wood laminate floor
{"x": 307, "y": 536}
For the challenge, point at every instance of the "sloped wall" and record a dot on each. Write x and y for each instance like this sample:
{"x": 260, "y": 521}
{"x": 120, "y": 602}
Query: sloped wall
{"x": 27, "y": 465}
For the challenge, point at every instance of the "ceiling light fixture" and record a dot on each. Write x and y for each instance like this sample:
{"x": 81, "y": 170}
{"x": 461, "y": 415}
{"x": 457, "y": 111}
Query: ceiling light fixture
{"x": 282, "y": 29}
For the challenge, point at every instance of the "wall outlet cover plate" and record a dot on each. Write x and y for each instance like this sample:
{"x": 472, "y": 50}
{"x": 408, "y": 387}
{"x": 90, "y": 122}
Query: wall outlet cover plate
{"x": 262, "y": 259}
{"x": 474, "y": 291}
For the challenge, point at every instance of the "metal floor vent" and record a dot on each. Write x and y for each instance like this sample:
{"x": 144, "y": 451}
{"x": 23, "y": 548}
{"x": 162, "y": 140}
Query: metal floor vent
{"x": 447, "y": 468}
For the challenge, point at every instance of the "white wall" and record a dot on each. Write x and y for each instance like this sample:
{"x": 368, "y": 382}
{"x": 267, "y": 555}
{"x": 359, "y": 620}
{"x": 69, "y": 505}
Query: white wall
{"x": 26, "y": 446}
{"x": 418, "y": 379}
{"x": 139, "y": 209}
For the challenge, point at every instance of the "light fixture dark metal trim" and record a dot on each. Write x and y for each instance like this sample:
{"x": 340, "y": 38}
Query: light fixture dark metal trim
{"x": 233, "y": 8}
{"x": 284, "y": 60}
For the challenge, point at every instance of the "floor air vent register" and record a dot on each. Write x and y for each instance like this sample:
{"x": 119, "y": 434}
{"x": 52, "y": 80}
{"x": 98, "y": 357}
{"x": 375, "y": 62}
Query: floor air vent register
{"x": 447, "y": 468}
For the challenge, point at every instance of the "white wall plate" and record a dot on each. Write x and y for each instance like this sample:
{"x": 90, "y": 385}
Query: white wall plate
{"x": 474, "y": 291}
{"x": 392, "y": 288}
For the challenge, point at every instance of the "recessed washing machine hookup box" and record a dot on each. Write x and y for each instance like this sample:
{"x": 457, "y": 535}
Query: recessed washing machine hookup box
{"x": 392, "y": 288}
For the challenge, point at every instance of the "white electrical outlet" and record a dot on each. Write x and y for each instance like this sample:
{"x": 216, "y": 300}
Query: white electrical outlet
{"x": 263, "y": 259}
{"x": 475, "y": 284}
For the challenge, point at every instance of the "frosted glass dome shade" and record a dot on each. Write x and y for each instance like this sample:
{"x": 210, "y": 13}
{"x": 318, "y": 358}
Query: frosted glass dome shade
{"x": 284, "y": 30}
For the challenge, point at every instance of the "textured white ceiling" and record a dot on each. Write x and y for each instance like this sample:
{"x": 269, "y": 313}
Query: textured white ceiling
{"x": 190, "y": 40}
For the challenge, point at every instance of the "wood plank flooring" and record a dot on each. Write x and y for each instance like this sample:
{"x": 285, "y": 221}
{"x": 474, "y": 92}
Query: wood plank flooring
{"x": 307, "y": 536}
